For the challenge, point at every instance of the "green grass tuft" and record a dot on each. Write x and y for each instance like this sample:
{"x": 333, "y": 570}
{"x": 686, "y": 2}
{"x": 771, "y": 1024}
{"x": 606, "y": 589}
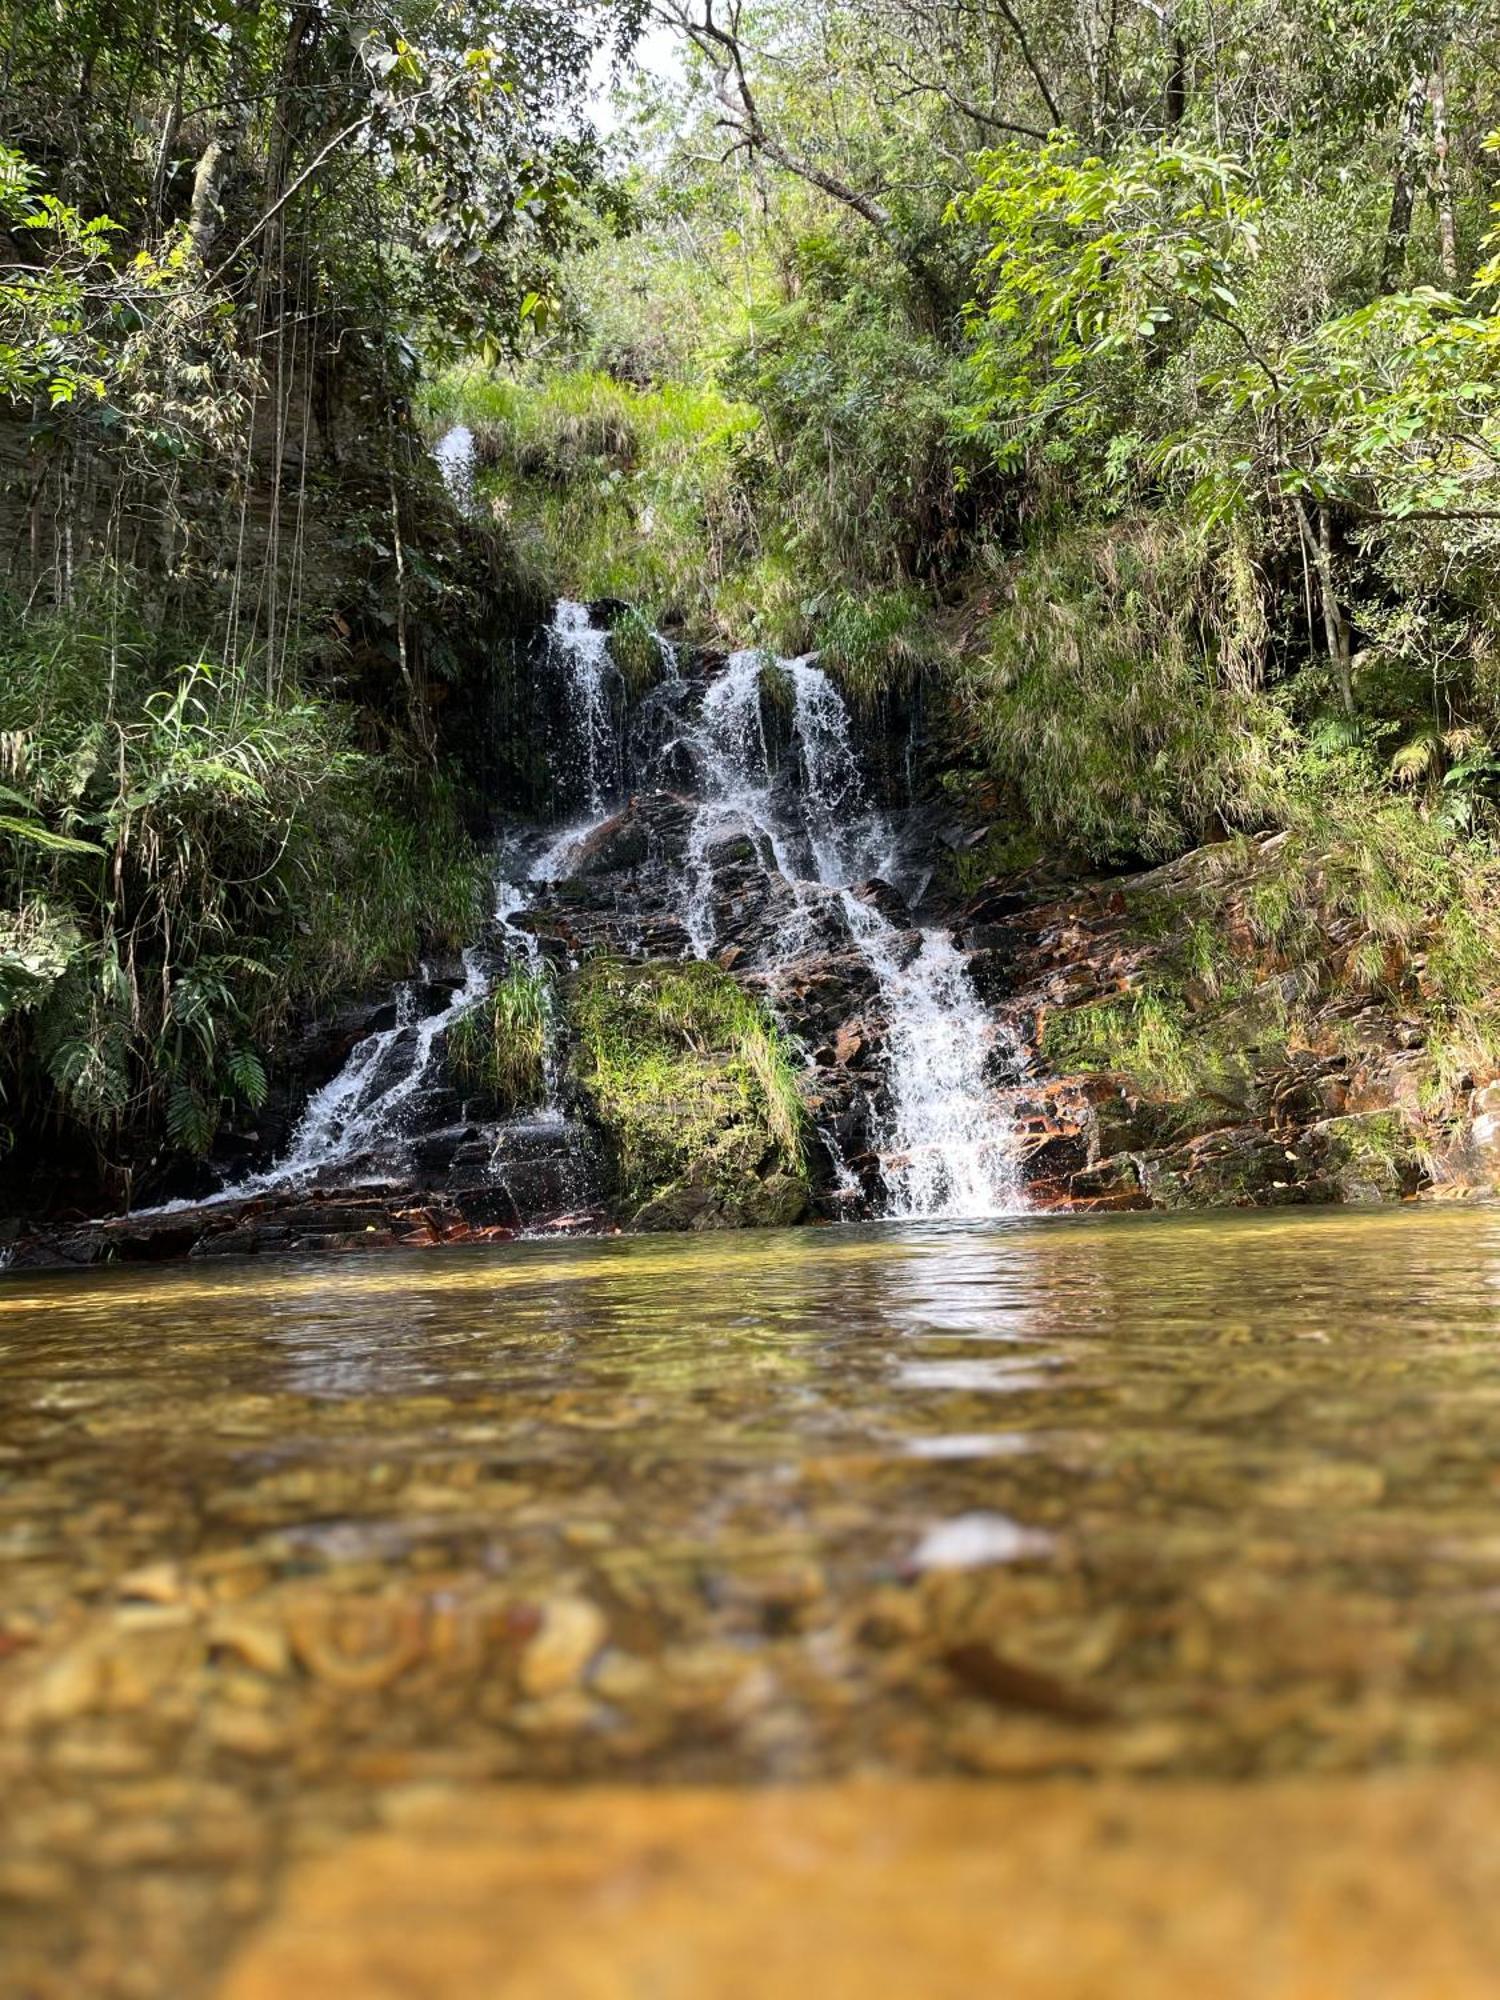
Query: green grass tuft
{"x": 499, "y": 1047}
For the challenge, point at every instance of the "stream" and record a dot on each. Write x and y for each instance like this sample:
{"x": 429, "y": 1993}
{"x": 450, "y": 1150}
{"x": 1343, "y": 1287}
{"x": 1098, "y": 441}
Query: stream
{"x": 404, "y": 1605}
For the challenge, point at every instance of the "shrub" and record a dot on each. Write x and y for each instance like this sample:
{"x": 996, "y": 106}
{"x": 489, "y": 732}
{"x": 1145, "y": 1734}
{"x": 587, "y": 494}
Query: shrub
{"x": 184, "y": 860}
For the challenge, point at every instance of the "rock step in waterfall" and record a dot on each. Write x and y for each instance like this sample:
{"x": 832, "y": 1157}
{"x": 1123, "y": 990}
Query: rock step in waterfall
{"x": 721, "y": 813}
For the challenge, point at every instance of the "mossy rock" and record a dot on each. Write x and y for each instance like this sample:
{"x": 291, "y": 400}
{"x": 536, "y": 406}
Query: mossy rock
{"x": 707, "y": 1198}
{"x": 695, "y": 1094}
{"x": 1241, "y": 1167}
{"x": 1370, "y": 1156}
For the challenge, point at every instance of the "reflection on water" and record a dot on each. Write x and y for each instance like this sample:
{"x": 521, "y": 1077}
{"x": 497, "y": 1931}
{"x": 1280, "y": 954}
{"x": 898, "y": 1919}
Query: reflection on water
{"x": 1207, "y": 1499}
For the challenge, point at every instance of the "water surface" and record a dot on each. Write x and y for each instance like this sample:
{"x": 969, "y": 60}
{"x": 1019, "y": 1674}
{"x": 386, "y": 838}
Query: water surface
{"x": 1208, "y": 1499}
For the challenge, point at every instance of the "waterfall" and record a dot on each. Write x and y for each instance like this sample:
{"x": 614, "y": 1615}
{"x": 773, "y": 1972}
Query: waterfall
{"x": 454, "y": 453}
{"x": 363, "y": 1110}
{"x": 593, "y": 756}
{"x": 360, "y": 1109}
{"x": 796, "y": 794}
{"x": 948, "y": 1150}
{"x": 734, "y": 764}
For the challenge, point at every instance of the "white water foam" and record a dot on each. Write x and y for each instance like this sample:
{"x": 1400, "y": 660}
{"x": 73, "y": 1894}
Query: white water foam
{"x": 949, "y": 1151}
{"x": 354, "y": 1113}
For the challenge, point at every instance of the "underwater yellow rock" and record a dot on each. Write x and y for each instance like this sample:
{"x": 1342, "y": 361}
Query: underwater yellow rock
{"x": 1296, "y": 1889}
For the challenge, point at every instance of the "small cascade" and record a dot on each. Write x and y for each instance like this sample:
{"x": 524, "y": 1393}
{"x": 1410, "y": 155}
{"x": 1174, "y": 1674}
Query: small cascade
{"x": 948, "y": 1151}
{"x": 367, "y": 1119}
{"x": 592, "y": 761}
{"x": 776, "y": 838}
{"x": 734, "y": 779}
{"x": 360, "y": 1111}
{"x": 846, "y": 839}
{"x": 523, "y": 948}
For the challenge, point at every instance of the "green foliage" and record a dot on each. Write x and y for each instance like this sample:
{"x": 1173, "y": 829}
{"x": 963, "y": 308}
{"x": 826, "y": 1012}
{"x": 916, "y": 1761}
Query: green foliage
{"x": 865, "y": 478}
{"x": 876, "y": 645}
{"x": 1148, "y": 1037}
{"x": 499, "y": 1047}
{"x": 1261, "y": 945}
{"x": 684, "y": 1065}
{"x": 636, "y": 650}
{"x": 232, "y": 232}
{"x": 1090, "y": 261}
{"x": 196, "y": 859}
{"x": 1117, "y": 694}
{"x": 46, "y": 351}
{"x": 1383, "y": 899}
{"x": 804, "y": 496}
{"x": 607, "y": 490}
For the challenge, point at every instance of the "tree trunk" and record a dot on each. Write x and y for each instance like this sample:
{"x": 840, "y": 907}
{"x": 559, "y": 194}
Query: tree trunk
{"x": 1177, "y": 83}
{"x": 215, "y": 162}
{"x": 1403, "y": 187}
{"x": 1335, "y": 624}
{"x": 1437, "y": 94}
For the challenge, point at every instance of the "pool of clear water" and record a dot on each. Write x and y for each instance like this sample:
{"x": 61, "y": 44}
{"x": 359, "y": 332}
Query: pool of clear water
{"x": 1209, "y": 1499}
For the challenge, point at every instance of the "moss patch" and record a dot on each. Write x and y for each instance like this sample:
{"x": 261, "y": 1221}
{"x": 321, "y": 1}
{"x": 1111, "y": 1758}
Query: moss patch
{"x": 692, "y": 1084}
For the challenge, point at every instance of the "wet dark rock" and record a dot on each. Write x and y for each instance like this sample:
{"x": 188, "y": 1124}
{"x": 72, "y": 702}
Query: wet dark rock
{"x": 1011, "y": 1684}
{"x": 622, "y": 842}
{"x": 889, "y": 901}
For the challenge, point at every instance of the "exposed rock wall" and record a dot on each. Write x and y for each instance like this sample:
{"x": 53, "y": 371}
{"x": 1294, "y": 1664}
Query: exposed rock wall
{"x": 1283, "y": 1085}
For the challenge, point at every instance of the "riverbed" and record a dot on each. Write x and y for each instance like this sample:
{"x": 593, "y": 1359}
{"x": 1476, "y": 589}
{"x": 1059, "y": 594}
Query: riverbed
{"x": 648, "y": 1582}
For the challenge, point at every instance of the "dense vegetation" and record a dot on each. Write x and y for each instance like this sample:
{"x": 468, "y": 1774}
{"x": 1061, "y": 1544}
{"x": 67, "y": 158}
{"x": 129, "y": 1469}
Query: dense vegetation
{"x": 1125, "y": 377}
{"x": 1121, "y": 381}
{"x": 242, "y": 626}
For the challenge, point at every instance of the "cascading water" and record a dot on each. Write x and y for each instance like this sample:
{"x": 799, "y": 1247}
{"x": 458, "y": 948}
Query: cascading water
{"x": 949, "y": 1153}
{"x": 948, "y": 1150}
{"x": 580, "y": 652}
{"x": 360, "y": 1110}
{"x": 945, "y": 1147}
{"x": 454, "y": 452}
{"x": 734, "y": 777}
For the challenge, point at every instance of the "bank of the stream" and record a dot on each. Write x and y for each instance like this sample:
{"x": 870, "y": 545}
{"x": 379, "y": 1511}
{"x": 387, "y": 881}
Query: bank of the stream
{"x": 747, "y": 972}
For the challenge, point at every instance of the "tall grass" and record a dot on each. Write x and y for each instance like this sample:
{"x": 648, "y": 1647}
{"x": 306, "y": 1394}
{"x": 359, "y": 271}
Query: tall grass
{"x": 499, "y": 1047}
{"x": 185, "y": 860}
{"x": 1361, "y": 909}
{"x": 610, "y": 490}
{"x": 1118, "y": 695}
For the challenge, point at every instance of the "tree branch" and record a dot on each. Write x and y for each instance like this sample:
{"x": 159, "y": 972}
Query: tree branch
{"x": 338, "y": 139}
{"x": 919, "y": 86}
{"x": 722, "y": 48}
